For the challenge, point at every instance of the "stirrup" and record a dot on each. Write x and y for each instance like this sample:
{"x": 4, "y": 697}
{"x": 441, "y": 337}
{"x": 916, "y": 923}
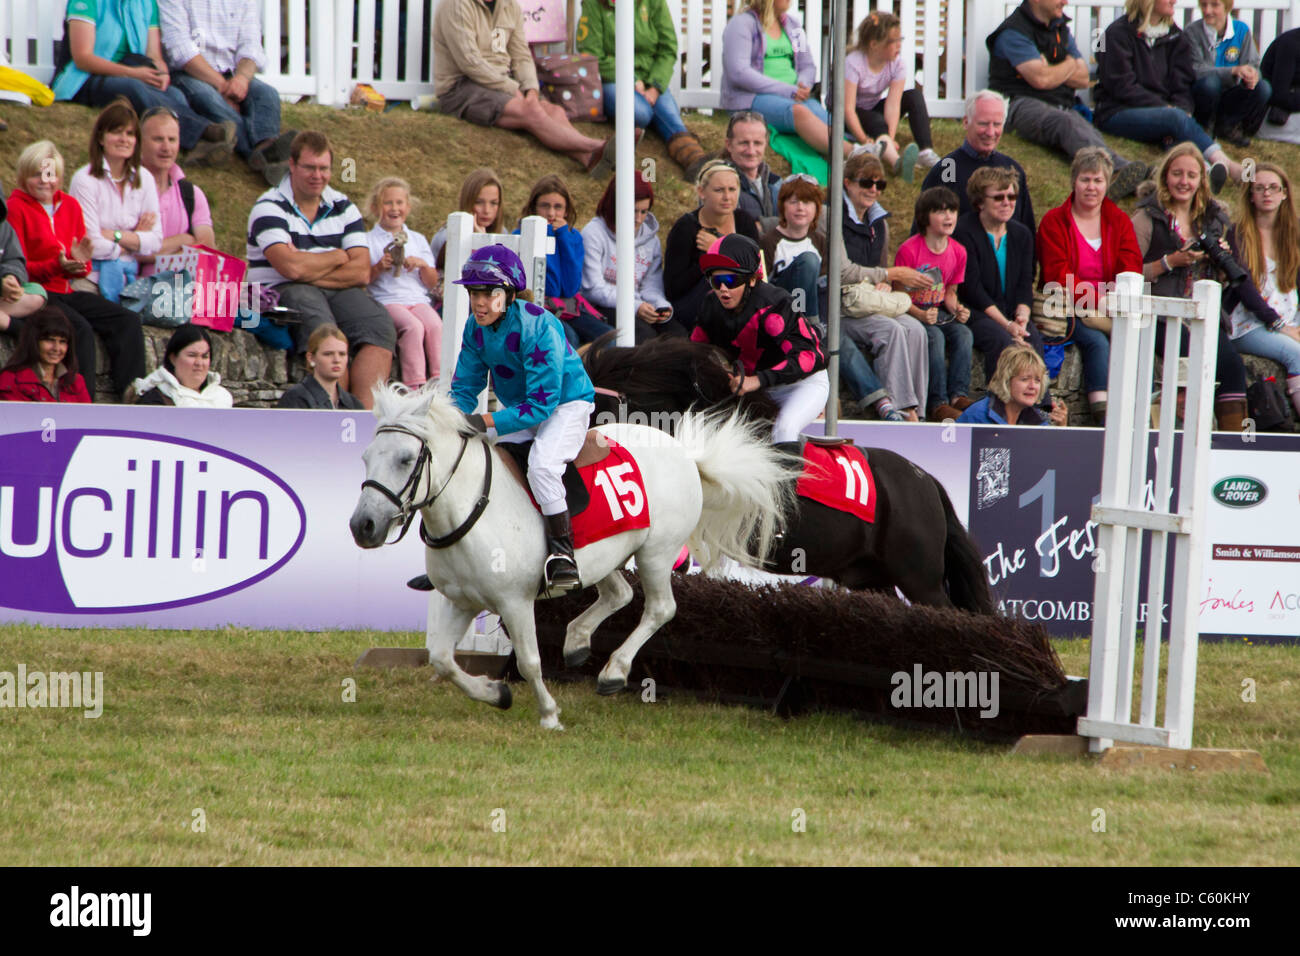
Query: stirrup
{"x": 560, "y": 573}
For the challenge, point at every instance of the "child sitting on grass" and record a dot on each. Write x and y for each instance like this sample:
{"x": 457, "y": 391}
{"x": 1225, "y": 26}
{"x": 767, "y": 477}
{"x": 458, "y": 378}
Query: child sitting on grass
{"x": 932, "y": 252}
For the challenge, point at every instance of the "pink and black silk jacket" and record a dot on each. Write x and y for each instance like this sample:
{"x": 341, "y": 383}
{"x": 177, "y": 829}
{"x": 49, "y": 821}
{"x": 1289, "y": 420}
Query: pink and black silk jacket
{"x": 770, "y": 339}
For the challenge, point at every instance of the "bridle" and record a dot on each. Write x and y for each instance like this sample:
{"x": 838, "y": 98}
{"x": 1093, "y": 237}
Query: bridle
{"x": 404, "y": 499}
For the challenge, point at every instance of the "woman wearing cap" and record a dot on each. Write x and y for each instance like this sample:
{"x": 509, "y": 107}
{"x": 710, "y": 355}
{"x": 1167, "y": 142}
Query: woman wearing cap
{"x": 755, "y": 321}
{"x": 544, "y": 392}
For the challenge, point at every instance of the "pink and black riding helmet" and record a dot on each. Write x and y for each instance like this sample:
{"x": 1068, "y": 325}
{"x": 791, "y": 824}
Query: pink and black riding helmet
{"x": 494, "y": 265}
{"x": 733, "y": 253}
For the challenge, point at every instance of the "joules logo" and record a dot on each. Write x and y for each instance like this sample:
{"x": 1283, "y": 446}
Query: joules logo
{"x": 117, "y": 521}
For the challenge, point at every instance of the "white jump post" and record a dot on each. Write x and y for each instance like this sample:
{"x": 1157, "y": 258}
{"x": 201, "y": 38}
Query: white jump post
{"x": 532, "y": 245}
{"x": 1123, "y": 515}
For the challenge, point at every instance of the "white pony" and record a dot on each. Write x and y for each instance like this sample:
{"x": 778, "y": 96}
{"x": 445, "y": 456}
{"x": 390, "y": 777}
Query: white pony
{"x": 718, "y": 487}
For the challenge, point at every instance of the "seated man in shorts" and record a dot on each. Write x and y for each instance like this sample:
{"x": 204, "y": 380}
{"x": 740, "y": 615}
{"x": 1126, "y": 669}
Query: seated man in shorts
{"x": 484, "y": 73}
{"x": 309, "y": 243}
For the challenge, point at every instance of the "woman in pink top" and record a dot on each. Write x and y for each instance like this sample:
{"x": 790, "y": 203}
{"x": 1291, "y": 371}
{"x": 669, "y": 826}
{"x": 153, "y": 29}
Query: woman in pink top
{"x": 118, "y": 200}
{"x": 874, "y": 77}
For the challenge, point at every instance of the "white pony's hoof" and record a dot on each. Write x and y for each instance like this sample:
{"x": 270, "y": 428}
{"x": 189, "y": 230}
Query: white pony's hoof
{"x": 608, "y": 686}
{"x": 552, "y": 723}
{"x": 577, "y": 658}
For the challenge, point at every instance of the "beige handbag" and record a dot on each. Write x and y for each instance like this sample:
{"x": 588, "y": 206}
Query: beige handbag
{"x": 1052, "y": 314}
{"x": 861, "y": 299}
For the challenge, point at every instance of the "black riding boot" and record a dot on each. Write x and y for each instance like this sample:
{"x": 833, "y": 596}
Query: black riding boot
{"x": 560, "y": 570}
{"x": 789, "y": 447}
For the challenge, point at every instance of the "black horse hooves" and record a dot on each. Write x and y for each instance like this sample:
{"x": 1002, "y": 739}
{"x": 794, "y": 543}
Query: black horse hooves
{"x": 577, "y": 658}
{"x": 607, "y": 688}
{"x": 505, "y": 697}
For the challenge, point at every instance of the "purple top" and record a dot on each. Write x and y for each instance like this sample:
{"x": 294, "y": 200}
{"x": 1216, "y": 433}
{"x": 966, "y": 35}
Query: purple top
{"x": 743, "y": 44}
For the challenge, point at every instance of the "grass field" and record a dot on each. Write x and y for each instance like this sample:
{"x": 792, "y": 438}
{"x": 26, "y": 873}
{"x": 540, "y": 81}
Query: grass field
{"x": 237, "y": 747}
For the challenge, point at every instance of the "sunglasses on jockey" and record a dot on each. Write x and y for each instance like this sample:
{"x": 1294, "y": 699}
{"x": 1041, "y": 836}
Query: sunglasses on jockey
{"x": 727, "y": 280}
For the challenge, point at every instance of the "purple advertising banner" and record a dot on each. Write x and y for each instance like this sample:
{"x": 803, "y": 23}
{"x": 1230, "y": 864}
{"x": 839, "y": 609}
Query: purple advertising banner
{"x": 167, "y": 517}
{"x": 185, "y": 518}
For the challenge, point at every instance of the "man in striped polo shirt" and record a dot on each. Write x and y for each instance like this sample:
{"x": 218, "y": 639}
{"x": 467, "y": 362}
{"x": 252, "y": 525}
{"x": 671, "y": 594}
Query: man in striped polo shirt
{"x": 309, "y": 242}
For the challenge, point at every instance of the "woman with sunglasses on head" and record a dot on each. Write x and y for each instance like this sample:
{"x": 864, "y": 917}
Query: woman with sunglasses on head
{"x": 999, "y": 283}
{"x": 755, "y": 322}
{"x": 718, "y": 215}
{"x": 43, "y": 367}
{"x": 1083, "y": 245}
{"x": 897, "y": 340}
{"x": 1265, "y": 237}
{"x": 119, "y": 200}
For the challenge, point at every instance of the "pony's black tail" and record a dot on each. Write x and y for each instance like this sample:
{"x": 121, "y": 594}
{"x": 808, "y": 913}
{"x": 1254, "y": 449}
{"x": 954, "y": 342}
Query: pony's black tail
{"x": 963, "y": 571}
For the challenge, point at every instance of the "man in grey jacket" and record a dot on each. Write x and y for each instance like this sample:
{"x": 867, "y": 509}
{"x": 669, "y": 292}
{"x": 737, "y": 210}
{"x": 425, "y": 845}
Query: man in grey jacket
{"x": 1228, "y": 92}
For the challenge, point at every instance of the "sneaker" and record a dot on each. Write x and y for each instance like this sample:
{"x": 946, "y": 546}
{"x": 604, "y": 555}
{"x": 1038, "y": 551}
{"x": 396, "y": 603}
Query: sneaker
{"x": 906, "y": 165}
{"x": 927, "y": 158}
{"x": 1127, "y": 179}
{"x": 208, "y": 152}
{"x": 872, "y": 148}
{"x": 1218, "y": 176}
{"x": 603, "y": 163}
{"x": 1278, "y": 116}
{"x": 1236, "y": 136}
{"x": 274, "y": 173}
{"x": 894, "y": 415}
{"x": 273, "y": 152}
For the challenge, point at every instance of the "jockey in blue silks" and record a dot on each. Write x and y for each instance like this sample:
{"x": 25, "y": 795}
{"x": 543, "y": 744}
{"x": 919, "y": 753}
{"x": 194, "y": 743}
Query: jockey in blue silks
{"x": 540, "y": 383}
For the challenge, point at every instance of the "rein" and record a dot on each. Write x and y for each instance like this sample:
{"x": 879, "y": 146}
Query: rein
{"x": 404, "y": 498}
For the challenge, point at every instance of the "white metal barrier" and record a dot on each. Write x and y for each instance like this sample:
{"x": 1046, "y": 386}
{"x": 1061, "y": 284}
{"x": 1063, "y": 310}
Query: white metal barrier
{"x": 531, "y": 245}
{"x": 322, "y": 48}
{"x": 1125, "y": 520}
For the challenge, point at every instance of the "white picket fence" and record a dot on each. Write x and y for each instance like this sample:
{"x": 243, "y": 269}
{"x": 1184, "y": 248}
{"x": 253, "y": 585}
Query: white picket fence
{"x": 320, "y": 53}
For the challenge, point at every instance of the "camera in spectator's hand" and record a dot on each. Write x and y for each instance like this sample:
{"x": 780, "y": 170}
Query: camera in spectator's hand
{"x": 1220, "y": 258}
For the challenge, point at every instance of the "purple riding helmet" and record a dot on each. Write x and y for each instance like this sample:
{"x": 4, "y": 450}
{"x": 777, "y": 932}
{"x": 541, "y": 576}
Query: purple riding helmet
{"x": 494, "y": 265}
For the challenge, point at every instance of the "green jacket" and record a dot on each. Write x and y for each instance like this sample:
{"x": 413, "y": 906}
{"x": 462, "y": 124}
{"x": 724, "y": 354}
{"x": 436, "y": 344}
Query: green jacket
{"x": 654, "y": 40}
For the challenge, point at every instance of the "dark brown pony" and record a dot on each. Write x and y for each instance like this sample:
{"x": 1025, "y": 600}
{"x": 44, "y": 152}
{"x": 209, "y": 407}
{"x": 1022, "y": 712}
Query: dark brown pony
{"x": 916, "y": 544}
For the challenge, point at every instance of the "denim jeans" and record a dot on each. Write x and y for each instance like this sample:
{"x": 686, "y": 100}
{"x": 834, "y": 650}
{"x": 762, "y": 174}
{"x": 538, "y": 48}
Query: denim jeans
{"x": 1094, "y": 349}
{"x": 954, "y": 342}
{"x": 665, "y": 118}
{"x": 1234, "y": 105}
{"x": 102, "y": 90}
{"x": 801, "y": 276}
{"x": 256, "y": 120}
{"x": 1155, "y": 124}
{"x": 1271, "y": 345}
{"x": 778, "y": 111}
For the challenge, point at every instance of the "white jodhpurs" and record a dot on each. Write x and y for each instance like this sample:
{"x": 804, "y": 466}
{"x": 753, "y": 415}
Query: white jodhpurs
{"x": 556, "y": 442}
{"x": 801, "y": 402}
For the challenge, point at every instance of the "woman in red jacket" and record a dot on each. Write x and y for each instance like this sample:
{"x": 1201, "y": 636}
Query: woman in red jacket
{"x": 44, "y": 366}
{"x": 1083, "y": 244}
{"x": 52, "y": 230}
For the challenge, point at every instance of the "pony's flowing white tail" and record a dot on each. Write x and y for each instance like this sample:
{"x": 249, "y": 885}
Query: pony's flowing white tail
{"x": 748, "y": 487}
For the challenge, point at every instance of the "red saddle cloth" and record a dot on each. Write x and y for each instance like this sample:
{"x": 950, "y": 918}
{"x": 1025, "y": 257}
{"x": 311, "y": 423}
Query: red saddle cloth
{"x": 618, "y": 501}
{"x": 840, "y": 478}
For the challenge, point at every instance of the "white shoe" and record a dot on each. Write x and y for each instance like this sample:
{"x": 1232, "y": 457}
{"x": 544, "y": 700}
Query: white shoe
{"x": 927, "y": 158}
{"x": 872, "y": 148}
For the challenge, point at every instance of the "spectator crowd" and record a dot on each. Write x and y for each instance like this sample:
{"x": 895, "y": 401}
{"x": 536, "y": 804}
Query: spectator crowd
{"x": 175, "y": 85}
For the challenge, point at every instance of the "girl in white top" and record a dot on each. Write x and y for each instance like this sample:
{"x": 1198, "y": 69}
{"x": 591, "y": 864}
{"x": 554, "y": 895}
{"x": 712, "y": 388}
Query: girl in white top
{"x": 874, "y": 77}
{"x": 1266, "y": 237}
{"x": 401, "y": 276}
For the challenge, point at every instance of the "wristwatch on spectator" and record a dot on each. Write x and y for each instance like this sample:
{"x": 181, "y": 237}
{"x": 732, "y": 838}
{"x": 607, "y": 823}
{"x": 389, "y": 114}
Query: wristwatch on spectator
{"x": 117, "y": 236}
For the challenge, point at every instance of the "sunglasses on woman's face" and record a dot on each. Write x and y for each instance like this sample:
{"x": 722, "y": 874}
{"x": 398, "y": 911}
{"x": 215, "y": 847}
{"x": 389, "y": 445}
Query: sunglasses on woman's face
{"x": 727, "y": 280}
{"x": 879, "y": 184}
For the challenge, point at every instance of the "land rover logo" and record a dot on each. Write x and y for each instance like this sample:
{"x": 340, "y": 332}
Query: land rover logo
{"x": 1240, "y": 491}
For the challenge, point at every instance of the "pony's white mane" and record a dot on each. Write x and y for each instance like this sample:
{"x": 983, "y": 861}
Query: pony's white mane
{"x": 422, "y": 411}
